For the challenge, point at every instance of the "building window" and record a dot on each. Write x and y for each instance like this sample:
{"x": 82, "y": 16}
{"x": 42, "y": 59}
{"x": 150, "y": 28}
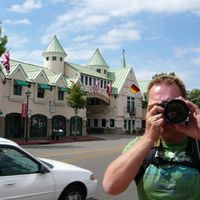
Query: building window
{"x": 86, "y": 80}
{"x": 130, "y": 105}
{"x": 40, "y": 93}
{"x": 125, "y": 124}
{"x": 60, "y": 95}
{"x": 90, "y": 80}
{"x": 112, "y": 123}
{"x": 17, "y": 89}
{"x": 54, "y": 58}
{"x": 82, "y": 77}
{"x": 104, "y": 71}
{"x": 103, "y": 123}
{"x": 96, "y": 125}
{"x": 101, "y": 84}
{"x": 98, "y": 70}
{"x": 61, "y": 59}
{"x": 47, "y": 58}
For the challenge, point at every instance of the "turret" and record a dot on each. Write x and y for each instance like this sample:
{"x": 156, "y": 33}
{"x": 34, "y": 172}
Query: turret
{"x": 54, "y": 56}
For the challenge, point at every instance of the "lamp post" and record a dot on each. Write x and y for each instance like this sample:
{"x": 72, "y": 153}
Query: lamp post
{"x": 27, "y": 93}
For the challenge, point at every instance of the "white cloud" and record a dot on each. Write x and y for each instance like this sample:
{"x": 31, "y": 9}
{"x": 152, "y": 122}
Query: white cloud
{"x": 129, "y": 6}
{"x": 16, "y": 42}
{"x": 196, "y": 60}
{"x": 33, "y": 57}
{"x": 181, "y": 52}
{"x": 119, "y": 35}
{"x": 26, "y": 6}
{"x": 84, "y": 38}
{"x": 18, "y": 22}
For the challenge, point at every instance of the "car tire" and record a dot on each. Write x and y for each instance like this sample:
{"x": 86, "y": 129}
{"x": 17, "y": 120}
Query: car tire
{"x": 73, "y": 192}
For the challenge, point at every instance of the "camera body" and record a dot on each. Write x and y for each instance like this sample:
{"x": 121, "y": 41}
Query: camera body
{"x": 175, "y": 111}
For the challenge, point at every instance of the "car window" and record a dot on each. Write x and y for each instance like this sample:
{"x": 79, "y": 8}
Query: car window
{"x": 15, "y": 162}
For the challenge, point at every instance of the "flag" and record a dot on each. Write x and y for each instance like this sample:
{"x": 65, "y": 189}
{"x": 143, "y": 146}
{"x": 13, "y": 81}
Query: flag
{"x": 24, "y": 110}
{"x": 6, "y": 61}
{"x": 96, "y": 87}
{"x": 108, "y": 88}
{"x": 134, "y": 89}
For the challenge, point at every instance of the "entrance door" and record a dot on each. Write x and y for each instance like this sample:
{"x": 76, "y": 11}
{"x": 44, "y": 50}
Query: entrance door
{"x": 76, "y": 126}
{"x": 14, "y": 126}
{"x": 38, "y": 126}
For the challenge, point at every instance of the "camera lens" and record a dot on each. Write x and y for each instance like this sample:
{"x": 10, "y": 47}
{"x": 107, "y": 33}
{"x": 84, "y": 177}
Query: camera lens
{"x": 176, "y": 111}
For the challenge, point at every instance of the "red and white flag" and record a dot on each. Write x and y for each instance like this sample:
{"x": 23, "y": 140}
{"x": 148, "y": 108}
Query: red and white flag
{"x": 5, "y": 59}
{"x": 108, "y": 88}
{"x": 24, "y": 110}
{"x": 96, "y": 87}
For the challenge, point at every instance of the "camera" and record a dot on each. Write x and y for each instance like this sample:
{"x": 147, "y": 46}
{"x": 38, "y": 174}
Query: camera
{"x": 175, "y": 111}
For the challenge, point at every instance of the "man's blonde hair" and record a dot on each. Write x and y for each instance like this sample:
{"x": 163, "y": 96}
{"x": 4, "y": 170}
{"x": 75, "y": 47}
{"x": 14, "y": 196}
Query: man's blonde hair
{"x": 168, "y": 79}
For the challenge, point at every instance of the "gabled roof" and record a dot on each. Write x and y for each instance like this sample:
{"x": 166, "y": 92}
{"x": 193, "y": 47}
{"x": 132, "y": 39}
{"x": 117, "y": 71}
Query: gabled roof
{"x": 54, "y": 47}
{"x": 119, "y": 75}
{"x": 33, "y": 71}
{"x": 143, "y": 87}
{"x": 97, "y": 59}
{"x": 87, "y": 70}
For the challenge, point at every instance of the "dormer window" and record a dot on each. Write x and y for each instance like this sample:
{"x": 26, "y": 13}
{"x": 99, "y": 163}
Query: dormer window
{"x": 41, "y": 89}
{"x": 17, "y": 89}
{"x": 99, "y": 70}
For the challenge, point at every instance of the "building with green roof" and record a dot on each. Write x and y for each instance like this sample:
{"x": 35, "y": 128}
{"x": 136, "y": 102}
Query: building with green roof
{"x": 112, "y": 106}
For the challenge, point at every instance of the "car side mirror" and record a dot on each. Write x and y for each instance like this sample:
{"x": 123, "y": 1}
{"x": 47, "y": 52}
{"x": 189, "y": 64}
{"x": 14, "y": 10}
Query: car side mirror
{"x": 43, "y": 169}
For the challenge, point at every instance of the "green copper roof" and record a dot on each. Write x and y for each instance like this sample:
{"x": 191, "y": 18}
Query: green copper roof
{"x": 120, "y": 75}
{"x": 97, "y": 59}
{"x": 86, "y": 70}
{"x": 54, "y": 47}
{"x": 143, "y": 85}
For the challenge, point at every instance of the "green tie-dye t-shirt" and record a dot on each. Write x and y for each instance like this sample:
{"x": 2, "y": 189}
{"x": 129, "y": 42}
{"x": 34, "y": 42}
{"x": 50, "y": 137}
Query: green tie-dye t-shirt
{"x": 169, "y": 182}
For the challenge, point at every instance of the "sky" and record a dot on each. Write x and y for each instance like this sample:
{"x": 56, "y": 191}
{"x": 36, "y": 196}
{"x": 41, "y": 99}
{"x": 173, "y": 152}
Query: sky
{"x": 157, "y": 36}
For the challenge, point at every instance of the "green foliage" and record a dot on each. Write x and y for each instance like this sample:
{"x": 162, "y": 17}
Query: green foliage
{"x": 76, "y": 98}
{"x": 3, "y": 42}
{"x": 194, "y": 96}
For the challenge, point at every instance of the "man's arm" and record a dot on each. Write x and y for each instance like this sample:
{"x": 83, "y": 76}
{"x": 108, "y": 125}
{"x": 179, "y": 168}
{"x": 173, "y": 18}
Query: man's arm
{"x": 123, "y": 170}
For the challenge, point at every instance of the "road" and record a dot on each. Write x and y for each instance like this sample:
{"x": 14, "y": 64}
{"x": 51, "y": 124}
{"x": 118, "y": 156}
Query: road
{"x": 93, "y": 155}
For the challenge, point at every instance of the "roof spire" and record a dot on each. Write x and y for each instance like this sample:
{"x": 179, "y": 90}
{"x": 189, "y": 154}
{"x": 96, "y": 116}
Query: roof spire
{"x": 123, "y": 59}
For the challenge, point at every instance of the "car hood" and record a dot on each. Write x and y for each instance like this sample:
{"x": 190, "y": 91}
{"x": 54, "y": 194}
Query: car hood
{"x": 61, "y": 166}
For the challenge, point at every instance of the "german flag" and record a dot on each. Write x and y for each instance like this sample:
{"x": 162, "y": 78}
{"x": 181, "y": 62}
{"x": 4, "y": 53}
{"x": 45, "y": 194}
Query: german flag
{"x": 134, "y": 89}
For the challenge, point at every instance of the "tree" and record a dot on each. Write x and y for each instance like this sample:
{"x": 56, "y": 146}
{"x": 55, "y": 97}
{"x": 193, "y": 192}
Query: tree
{"x": 76, "y": 100}
{"x": 3, "y": 42}
{"x": 194, "y": 96}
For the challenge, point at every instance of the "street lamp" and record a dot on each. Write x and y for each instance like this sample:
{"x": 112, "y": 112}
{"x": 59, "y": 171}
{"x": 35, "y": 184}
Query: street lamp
{"x": 27, "y": 93}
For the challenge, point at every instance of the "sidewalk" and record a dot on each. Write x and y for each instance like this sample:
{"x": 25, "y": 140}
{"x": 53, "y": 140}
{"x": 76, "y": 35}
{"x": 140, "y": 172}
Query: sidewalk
{"x": 66, "y": 139}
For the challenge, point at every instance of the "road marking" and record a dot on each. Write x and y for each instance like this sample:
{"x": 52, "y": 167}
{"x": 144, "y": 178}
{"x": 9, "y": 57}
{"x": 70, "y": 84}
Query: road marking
{"x": 67, "y": 152}
{"x": 93, "y": 155}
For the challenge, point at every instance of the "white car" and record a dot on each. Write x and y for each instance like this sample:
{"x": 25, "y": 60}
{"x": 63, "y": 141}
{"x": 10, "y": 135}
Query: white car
{"x": 25, "y": 177}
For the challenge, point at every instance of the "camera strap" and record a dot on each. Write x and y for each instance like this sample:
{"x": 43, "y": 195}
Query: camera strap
{"x": 192, "y": 150}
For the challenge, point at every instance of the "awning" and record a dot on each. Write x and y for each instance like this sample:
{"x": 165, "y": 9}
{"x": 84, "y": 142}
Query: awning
{"x": 62, "y": 89}
{"x": 44, "y": 86}
{"x": 21, "y": 82}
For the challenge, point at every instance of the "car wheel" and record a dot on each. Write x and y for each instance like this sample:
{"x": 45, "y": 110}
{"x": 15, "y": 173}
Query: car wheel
{"x": 73, "y": 193}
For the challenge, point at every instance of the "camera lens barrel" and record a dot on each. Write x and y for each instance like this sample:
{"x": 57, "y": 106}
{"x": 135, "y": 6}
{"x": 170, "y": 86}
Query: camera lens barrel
{"x": 176, "y": 111}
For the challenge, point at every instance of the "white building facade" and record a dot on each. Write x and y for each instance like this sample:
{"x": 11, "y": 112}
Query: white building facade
{"x": 111, "y": 106}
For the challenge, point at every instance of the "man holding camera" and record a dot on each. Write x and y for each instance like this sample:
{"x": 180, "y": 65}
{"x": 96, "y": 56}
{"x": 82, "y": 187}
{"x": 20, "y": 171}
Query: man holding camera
{"x": 163, "y": 161}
